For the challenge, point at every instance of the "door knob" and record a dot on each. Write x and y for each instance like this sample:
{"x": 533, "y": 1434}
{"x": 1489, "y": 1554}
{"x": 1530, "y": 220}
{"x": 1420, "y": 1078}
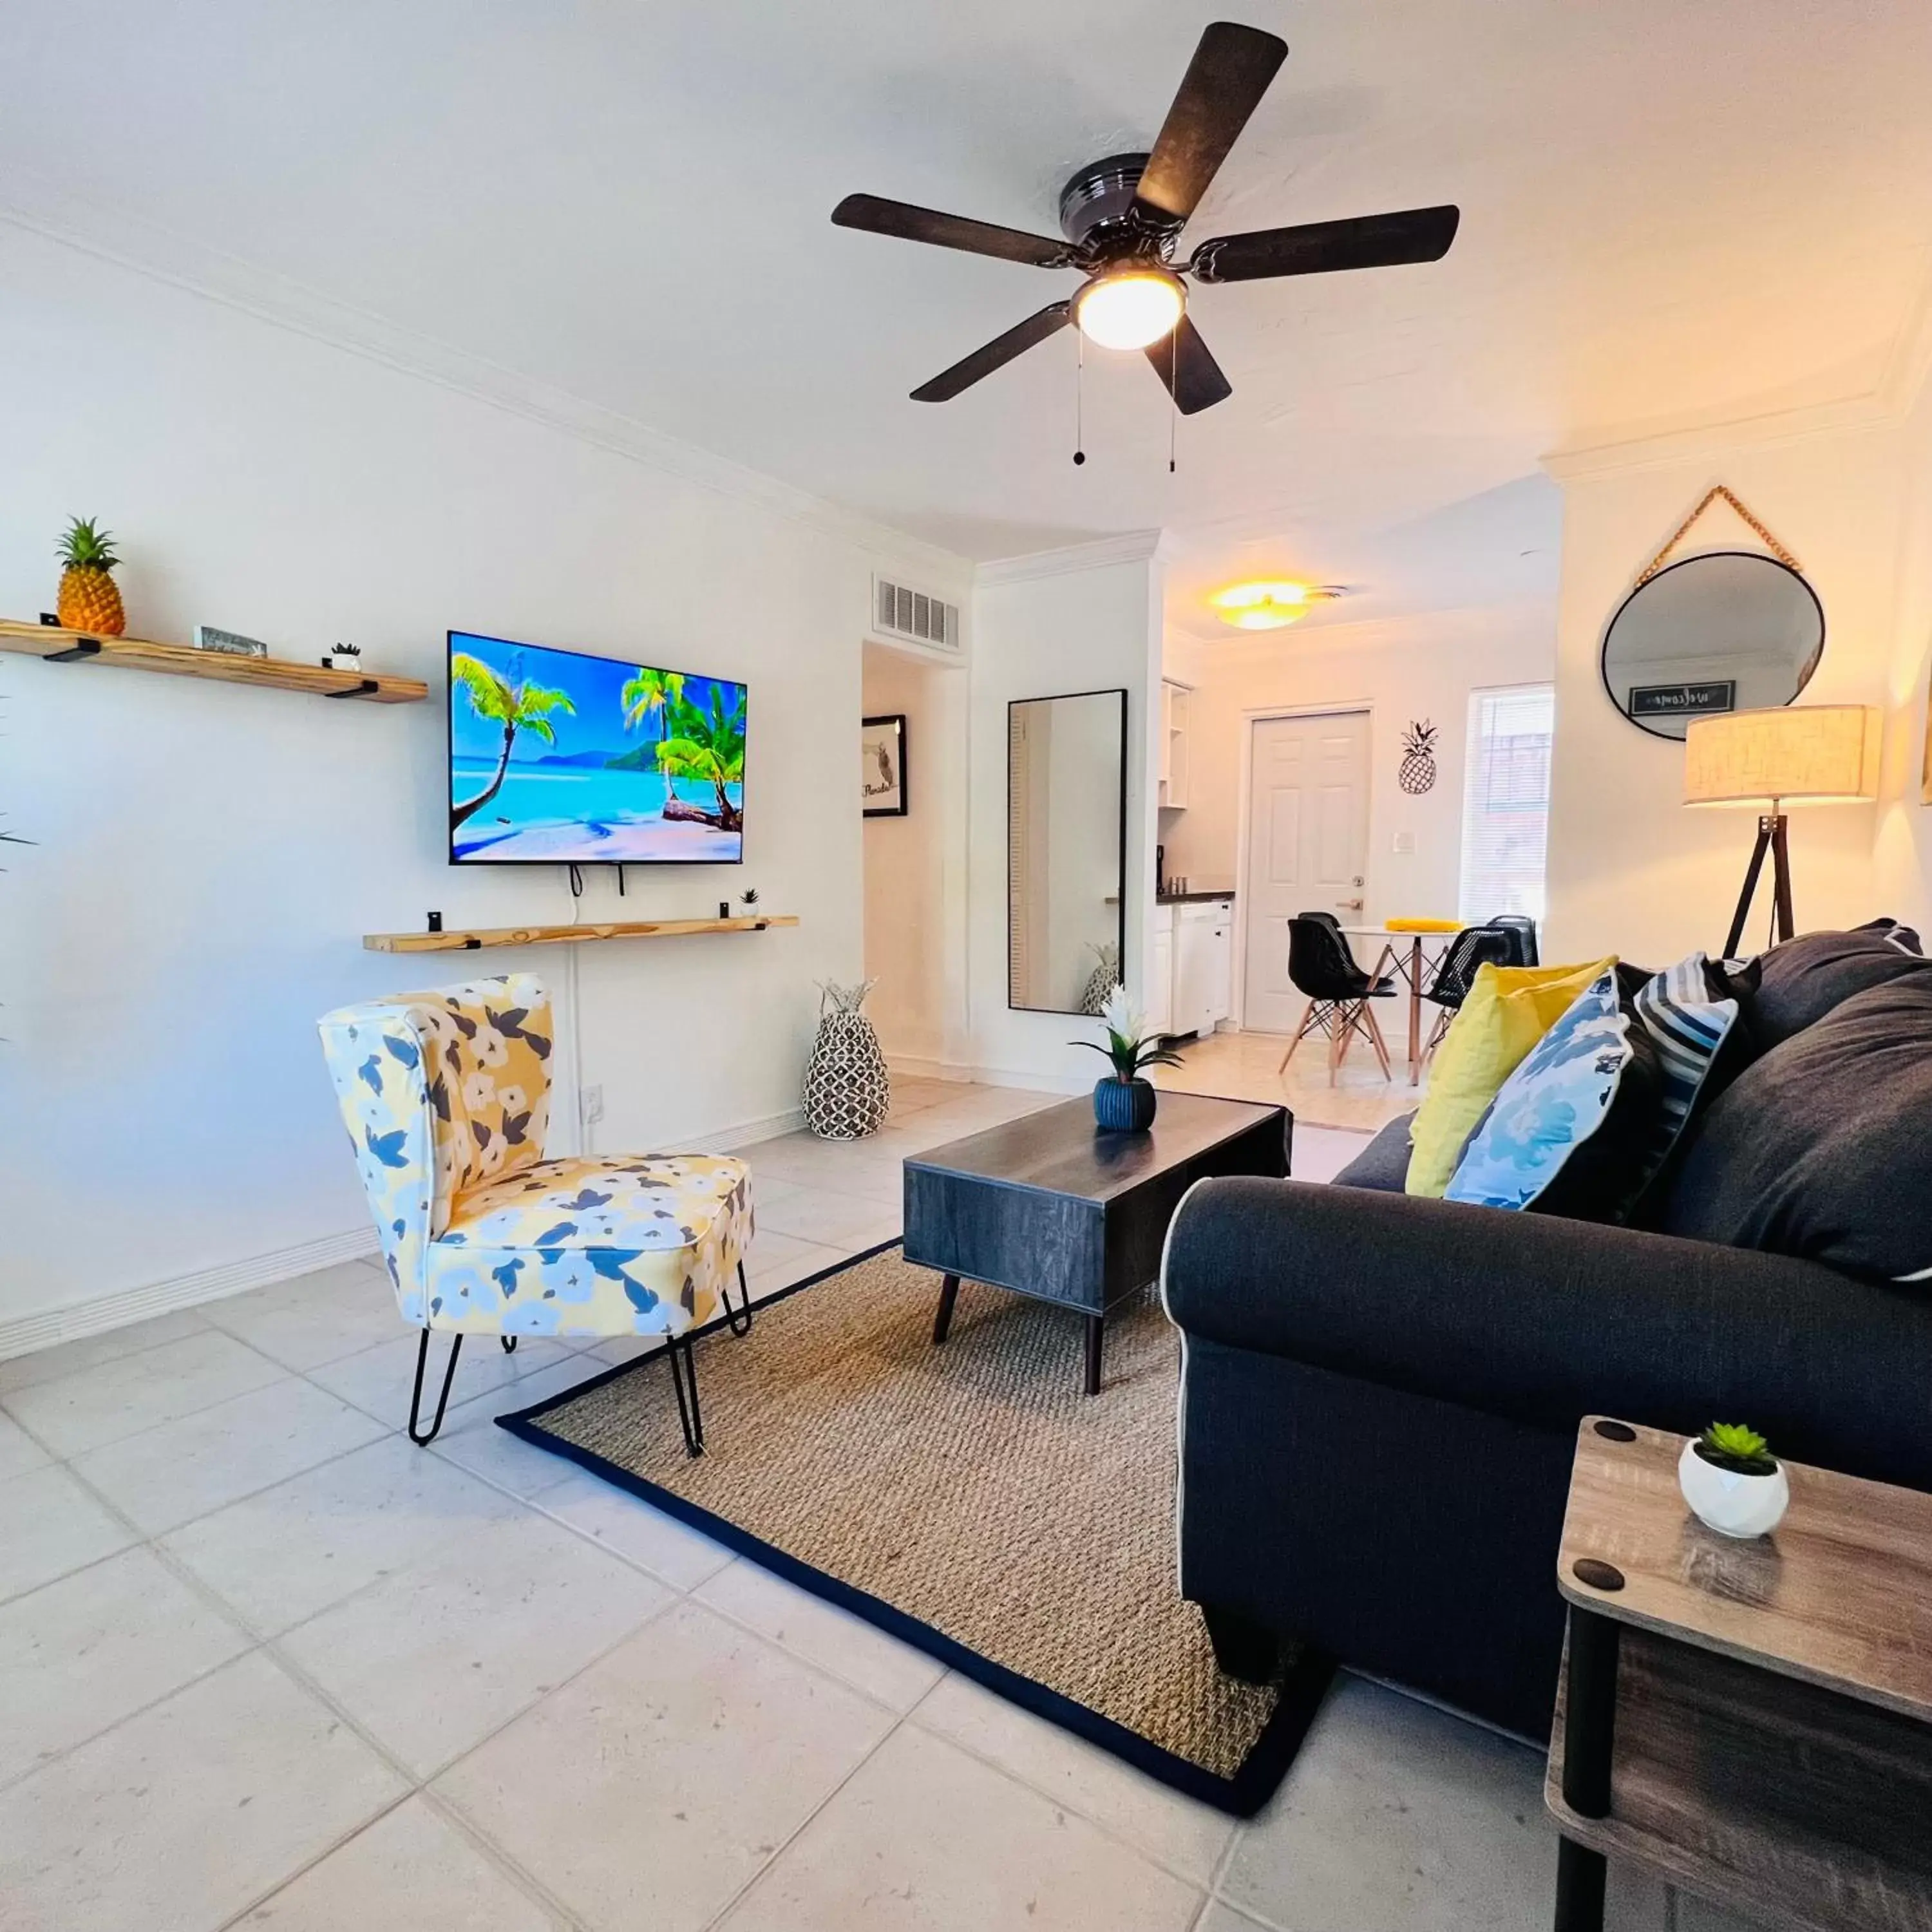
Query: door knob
{"x": 1349, "y": 905}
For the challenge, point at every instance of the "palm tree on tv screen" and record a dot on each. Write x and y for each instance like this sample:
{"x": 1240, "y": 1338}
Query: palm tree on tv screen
{"x": 708, "y": 746}
{"x": 518, "y": 706}
{"x": 651, "y": 692}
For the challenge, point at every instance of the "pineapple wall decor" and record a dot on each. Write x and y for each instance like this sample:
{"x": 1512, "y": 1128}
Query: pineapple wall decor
{"x": 88, "y": 599}
{"x": 1417, "y": 773}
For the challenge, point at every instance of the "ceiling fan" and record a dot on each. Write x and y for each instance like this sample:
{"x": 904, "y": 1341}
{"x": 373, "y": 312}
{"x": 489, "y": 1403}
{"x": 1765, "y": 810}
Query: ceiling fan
{"x": 1122, "y": 216}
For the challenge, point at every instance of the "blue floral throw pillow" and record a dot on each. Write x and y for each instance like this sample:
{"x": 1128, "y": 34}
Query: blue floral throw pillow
{"x": 1571, "y": 1130}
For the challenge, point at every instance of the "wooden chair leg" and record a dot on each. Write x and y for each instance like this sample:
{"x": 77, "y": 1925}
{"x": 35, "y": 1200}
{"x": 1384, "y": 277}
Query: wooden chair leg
{"x": 1375, "y": 1033}
{"x": 1301, "y": 1032}
{"x": 1341, "y": 1039}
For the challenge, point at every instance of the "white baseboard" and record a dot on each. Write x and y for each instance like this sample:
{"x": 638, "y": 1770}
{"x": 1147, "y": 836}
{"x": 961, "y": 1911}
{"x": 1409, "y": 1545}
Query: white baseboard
{"x": 916, "y": 1066}
{"x": 26, "y": 1334}
{"x": 767, "y": 1128}
{"x": 1034, "y": 1078}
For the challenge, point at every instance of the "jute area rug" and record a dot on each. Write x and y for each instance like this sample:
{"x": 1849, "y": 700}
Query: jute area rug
{"x": 968, "y": 1498}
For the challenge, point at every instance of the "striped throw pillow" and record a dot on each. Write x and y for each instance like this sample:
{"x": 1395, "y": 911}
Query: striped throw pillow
{"x": 1687, "y": 1024}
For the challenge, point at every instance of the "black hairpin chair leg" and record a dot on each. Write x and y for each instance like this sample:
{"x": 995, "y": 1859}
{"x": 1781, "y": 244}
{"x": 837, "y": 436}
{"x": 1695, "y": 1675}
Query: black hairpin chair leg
{"x": 421, "y": 1438}
{"x": 739, "y": 1323}
{"x": 684, "y": 1380}
{"x": 509, "y": 1342}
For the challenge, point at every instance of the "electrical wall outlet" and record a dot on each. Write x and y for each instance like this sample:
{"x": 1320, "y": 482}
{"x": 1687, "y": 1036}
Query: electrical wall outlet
{"x": 593, "y": 1106}
{"x": 1404, "y": 841}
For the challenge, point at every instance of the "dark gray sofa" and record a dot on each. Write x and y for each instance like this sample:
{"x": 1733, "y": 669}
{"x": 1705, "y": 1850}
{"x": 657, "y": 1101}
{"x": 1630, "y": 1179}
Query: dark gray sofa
{"x": 1381, "y": 1394}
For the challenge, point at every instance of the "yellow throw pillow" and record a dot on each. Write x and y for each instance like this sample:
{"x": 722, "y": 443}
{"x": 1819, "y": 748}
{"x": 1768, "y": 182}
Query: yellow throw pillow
{"x": 1508, "y": 1010}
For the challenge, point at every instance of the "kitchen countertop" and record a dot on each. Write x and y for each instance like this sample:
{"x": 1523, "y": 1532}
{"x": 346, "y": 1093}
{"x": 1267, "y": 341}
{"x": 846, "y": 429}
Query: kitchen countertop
{"x": 1192, "y": 898}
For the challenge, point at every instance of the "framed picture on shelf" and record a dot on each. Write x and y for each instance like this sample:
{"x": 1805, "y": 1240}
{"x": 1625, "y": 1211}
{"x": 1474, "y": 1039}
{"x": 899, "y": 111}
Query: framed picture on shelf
{"x": 882, "y": 765}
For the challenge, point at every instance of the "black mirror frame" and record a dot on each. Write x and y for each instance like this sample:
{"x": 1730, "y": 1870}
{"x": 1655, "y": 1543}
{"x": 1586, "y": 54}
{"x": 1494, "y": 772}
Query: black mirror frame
{"x": 1811, "y": 670}
{"x": 1120, "y": 941}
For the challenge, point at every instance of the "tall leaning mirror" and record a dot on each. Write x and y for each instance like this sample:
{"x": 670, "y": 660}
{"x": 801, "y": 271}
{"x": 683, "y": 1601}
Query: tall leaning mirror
{"x": 1067, "y": 838}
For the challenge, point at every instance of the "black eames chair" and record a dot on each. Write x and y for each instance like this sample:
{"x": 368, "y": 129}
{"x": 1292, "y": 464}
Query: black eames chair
{"x": 1474, "y": 947}
{"x": 1522, "y": 930}
{"x": 1320, "y": 965}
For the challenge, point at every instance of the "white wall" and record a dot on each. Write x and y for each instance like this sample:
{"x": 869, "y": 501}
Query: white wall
{"x": 1087, "y": 619}
{"x": 1902, "y": 855}
{"x": 1632, "y": 871}
{"x": 914, "y": 866}
{"x": 207, "y": 856}
{"x": 1400, "y": 669}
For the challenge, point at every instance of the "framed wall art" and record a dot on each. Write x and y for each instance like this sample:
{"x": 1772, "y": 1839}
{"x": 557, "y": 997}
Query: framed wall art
{"x": 882, "y": 765}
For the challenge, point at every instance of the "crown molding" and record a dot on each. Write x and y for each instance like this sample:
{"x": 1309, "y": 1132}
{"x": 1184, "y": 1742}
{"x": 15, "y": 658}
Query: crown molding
{"x": 1136, "y": 547}
{"x": 40, "y": 207}
{"x": 1710, "y": 443}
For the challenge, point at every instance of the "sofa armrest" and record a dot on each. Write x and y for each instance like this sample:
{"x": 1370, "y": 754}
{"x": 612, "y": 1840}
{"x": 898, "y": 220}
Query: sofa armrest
{"x": 1542, "y": 1320}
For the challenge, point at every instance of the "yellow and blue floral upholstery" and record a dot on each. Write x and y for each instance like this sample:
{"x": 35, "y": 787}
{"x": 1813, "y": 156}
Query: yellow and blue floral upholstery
{"x": 446, "y": 1097}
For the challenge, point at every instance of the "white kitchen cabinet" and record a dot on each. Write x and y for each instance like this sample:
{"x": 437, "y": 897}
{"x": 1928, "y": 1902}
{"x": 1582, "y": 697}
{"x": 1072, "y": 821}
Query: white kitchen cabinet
{"x": 1160, "y": 994}
{"x": 1174, "y": 698}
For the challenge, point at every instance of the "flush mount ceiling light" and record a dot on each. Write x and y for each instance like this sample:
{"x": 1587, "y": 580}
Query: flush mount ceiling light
{"x": 1268, "y": 606}
{"x": 1130, "y": 308}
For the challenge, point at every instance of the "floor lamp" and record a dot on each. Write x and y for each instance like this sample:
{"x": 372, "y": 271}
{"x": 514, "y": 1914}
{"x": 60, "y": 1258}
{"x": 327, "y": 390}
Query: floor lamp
{"x": 1802, "y": 754}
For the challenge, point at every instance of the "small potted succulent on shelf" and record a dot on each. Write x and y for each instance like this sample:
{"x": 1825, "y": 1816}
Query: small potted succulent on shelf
{"x": 1122, "y": 1101}
{"x": 343, "y": 657}
{"x": 1732, "y": 1482}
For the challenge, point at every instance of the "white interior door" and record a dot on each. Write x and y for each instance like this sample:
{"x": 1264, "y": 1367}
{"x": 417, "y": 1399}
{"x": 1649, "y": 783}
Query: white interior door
{"x": 1308, "y": 846}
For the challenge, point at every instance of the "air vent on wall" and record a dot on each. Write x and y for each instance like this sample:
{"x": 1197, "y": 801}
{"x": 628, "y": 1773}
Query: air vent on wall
{"x": 913, "y": 615}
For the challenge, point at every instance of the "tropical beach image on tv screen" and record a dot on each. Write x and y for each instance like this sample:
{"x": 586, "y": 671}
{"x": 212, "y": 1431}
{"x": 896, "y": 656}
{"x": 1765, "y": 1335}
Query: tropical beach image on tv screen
{"x": 555, "y": 756}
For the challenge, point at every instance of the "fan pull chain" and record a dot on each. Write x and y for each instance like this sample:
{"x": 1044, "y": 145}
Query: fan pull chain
{"x": 1079, "y": 376}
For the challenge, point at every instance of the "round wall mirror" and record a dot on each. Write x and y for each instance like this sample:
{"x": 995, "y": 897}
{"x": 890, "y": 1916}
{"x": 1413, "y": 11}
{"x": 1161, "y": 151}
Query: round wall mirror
{"x": 1732, "y": 630}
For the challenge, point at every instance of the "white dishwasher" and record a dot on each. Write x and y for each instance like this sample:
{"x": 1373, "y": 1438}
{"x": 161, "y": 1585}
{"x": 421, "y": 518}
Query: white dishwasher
{"x": 1204, "y": 953}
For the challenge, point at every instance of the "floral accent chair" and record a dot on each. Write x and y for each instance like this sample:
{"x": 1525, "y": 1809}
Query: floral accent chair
{"x": 446, "y": 1097}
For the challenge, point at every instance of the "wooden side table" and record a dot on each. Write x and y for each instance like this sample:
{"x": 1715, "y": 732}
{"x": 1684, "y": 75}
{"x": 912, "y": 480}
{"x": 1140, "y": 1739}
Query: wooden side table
{"x": 1751, "y": 1720}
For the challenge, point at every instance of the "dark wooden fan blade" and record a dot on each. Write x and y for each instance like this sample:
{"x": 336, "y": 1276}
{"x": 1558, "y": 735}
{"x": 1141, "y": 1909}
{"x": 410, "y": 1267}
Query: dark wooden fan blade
{"x": 880, "y": 217}
{"x": 1317, "y": 247}
{"x": 1222, "y": 86}
{"x": 1184, "y": 362}
{"x": 994, "y": 355}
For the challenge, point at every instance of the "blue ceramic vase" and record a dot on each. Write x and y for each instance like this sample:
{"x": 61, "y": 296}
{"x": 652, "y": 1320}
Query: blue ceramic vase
{"x": 1123, "y": 1106}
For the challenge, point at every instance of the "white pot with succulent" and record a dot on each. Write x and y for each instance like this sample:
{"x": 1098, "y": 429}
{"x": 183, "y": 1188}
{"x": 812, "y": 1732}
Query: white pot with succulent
{"x": 1732, "y": 1482}
{"x": 344, "y": 657}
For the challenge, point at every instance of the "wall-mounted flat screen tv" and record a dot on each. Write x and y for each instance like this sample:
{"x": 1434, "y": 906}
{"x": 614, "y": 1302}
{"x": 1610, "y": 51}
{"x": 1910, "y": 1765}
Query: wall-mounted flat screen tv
{"x": 557, "y": 757}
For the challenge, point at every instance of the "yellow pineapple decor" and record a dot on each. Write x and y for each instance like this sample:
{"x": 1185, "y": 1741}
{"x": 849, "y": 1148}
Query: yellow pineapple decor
{"x": 88, "y": 599}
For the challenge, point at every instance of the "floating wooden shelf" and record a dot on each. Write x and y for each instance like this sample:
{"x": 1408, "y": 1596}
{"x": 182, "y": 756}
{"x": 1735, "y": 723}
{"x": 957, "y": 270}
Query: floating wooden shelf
{"x": 565, "y": 935}
{"x": 44, "y": 641}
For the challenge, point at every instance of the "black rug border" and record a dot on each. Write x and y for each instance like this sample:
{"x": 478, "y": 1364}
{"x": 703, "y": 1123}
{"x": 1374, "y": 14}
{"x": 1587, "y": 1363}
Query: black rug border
{"x": 1241, "y": 1796}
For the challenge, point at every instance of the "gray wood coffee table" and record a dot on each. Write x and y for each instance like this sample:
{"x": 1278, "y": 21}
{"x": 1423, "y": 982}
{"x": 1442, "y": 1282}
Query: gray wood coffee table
{"x": 1049, "y": 1206}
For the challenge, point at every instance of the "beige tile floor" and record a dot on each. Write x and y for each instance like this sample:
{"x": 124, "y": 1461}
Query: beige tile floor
{"x": 263, "y": 1663}
{"x": 1246, "y": 1067}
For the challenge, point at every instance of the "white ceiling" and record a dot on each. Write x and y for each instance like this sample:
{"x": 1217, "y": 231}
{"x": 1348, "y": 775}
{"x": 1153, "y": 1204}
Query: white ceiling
{"x": 1673, "y": 210}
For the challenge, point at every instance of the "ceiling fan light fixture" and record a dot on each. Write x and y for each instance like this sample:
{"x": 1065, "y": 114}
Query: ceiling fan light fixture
{"x": 1128, "y": 308}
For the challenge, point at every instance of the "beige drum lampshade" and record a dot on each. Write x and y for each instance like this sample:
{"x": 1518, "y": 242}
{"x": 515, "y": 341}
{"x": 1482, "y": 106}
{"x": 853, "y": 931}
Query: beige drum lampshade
{"x": 1800, "y": 754}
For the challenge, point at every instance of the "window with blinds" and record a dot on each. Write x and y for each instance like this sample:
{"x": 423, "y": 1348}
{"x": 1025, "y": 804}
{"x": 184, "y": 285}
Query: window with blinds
{"x": 1506, "y": 801}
